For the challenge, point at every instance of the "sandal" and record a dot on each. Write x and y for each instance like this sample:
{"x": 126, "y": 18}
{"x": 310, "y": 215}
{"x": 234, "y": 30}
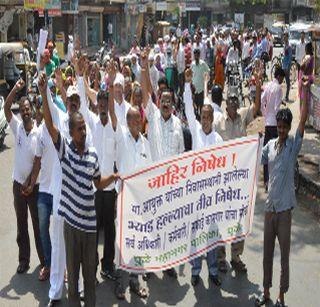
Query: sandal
{"x": 44, "y": 274}
{"x": 136, "y": 289}
{"x": 261, "y": 300}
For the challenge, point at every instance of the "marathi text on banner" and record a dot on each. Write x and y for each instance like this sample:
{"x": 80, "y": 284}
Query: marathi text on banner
{"x": 178, "y": 209}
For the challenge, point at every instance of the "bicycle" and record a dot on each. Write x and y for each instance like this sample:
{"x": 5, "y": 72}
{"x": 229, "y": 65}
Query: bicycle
{"x": 277, "y": 62}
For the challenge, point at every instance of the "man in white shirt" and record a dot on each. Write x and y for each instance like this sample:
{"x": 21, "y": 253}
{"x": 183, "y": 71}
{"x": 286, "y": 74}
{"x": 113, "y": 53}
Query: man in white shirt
{"x": 165, "y": 131}
{"x": 216, "y": 97}
{"x": 44, "y": 161}
{"x": 181, "y": 65}
{"x": 199, "y": 69}
{"x": 132, "y": 152}
{"x": 104, "y": 140}
{"x": 135, "y": 67}
{"x": 121, "y": 106}
{"x": 154, "y": 74}
{"x": 203, "y": 135}
{"x": 233, "y": 54}
{"x": 301, "y": 50}
{"x": 25, "y": 132}
{"x": 271, "y": 99}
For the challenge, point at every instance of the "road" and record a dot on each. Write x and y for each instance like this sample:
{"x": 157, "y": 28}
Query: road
{"x": 236, "y": 290}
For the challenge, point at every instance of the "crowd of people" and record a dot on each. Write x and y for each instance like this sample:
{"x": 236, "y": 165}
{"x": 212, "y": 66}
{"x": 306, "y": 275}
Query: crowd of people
{"x": 92, "y": 122}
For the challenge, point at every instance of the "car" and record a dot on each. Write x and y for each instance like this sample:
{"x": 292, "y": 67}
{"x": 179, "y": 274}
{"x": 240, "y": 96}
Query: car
{"x": 276, "y": 31}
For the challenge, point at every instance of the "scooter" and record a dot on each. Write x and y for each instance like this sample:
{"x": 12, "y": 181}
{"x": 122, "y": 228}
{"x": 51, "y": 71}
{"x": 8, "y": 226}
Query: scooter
{"x": 3, "y": 122}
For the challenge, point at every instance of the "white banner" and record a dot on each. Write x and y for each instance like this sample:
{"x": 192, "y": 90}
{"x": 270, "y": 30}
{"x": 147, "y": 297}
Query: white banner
{"x": 176, "y": 210}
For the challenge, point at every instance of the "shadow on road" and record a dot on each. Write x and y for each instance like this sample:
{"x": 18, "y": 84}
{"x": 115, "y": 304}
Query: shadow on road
{"x": 22, "y": 284}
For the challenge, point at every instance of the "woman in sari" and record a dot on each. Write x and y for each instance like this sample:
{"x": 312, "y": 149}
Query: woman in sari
{"x": 306, "y": 75}
{"x": 218, "y": 68}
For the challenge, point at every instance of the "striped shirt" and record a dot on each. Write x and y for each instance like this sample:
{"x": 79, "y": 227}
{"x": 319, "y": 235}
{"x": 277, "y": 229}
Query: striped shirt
{"x": 77, "y": 192}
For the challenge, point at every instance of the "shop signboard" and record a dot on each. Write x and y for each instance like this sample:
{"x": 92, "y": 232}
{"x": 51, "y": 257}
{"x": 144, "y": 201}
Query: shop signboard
{"x": 192, "y": 6}
{"x": 34, "y": 4}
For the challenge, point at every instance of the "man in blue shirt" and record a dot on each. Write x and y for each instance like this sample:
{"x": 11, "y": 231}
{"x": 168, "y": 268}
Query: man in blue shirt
{"x": 286, "y": 62}
{"x": 281, "y": 155}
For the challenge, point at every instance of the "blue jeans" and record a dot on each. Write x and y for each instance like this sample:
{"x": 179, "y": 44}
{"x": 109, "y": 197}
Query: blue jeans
{"x": 211, "y": 262}
{"x": 45, "y": 202}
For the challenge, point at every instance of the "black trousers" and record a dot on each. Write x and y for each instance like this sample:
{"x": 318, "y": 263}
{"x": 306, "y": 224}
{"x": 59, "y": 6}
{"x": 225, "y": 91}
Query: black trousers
{"x": 270, "y": 133}
{"x": 105, "y": 203}
{"x": 199, "y": 101}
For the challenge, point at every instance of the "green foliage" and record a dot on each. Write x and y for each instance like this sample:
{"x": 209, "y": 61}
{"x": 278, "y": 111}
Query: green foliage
{"x": 318, "y": 5}
{"x": 202, "y": 21}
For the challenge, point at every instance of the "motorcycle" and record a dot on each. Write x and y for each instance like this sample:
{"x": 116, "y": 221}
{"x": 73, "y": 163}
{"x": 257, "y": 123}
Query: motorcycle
{"x": 3, "y": 122}
{"x": 103, "y": 53}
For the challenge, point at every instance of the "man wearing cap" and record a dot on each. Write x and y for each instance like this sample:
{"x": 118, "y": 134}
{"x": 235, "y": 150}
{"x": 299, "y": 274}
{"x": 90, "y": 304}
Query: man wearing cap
{"x": 135, "y": 67}
{"x": 233, "y": 124}
{"x": 154, "y": 73}
{"x": 199, "y": 68}
{"x": 58, "y": 255}
{"x": 121, "y": 106}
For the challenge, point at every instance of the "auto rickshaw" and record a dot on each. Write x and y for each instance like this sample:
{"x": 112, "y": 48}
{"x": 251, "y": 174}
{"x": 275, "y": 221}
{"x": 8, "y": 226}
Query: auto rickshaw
{"x": 24, "y": 68}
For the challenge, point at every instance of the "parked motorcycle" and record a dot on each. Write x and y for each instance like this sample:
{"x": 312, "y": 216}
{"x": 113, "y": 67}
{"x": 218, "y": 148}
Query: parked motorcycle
{"x": 3, "y": 122}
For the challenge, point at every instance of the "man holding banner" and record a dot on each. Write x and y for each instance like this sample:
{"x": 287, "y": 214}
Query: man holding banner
{"x": 133, "y": 152}
{"x": 234, "y": 125}
{"x": 203, "y": 135}
{"x": 165, "y": 130}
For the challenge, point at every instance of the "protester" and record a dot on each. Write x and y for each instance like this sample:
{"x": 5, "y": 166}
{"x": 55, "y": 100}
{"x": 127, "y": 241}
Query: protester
{"x": 25, "y": 191}
{"x": 300, "y": 50}
{"x": 233, "y": 125}
{"x": 203, "y": 135}
{"x": 165, "y": 130}
{"x": 281, "y": 155}
{"x": 271, "y": 100}
{"x": 54, "y": 57}
{"x": 306, "y": 76}
{"x": 199, "y": 68}
{"x": 286, "y": 62}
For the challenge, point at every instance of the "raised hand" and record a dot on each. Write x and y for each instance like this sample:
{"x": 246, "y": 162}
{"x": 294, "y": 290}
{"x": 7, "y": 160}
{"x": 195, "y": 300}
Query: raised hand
{"x": 43, "y": 83}
{"x": 145, "y": 58}
{"x": 19, "y": 85}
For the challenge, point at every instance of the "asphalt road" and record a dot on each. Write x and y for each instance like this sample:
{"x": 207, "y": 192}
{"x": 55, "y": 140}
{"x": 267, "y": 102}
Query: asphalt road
{"x": 26, "y": 290}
